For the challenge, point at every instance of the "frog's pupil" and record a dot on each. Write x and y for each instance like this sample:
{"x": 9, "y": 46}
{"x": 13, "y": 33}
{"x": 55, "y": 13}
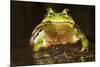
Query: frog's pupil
{"x": 52, "y": 14}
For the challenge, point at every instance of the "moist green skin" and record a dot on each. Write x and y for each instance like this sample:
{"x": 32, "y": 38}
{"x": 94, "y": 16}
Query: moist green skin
{"x": 57, "y": 28}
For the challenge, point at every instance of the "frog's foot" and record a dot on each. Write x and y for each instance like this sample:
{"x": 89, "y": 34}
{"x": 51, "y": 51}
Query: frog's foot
{"x": 84, "y": 41}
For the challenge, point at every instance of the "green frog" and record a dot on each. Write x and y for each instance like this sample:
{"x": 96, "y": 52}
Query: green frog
{"x": 57, "y": 28}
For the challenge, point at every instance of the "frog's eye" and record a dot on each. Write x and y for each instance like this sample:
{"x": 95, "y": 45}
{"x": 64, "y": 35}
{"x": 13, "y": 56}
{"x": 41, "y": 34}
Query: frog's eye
{"x": 50, "y": 10}
{"x": 65, "y": 10}
{"x": 52, "y": 14}
{"x": 63, "y": 13}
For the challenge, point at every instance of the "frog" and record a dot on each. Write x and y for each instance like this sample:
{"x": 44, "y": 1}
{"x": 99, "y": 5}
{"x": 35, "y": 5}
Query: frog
{"x": 57, "y": 28}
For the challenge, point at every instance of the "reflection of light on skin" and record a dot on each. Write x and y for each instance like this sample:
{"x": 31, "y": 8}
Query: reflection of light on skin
{"x": 75, "y": 39}
{"x": 71, "y": 21}
{"x": 36, "y": 39}
{"x": 45, "y": 43}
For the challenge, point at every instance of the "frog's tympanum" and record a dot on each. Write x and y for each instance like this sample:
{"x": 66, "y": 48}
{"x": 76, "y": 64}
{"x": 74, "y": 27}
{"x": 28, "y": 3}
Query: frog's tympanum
{"x": 57, "y": 28}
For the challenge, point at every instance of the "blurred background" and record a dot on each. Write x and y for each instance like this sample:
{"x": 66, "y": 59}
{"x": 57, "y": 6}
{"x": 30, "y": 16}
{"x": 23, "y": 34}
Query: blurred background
{"x": 25, "y": 16}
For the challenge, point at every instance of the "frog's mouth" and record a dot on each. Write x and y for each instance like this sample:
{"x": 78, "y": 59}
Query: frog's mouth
{"x": 60, "y": 21}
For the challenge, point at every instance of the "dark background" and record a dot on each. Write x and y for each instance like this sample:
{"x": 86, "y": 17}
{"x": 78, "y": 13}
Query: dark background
{"x": 25, "y": 16}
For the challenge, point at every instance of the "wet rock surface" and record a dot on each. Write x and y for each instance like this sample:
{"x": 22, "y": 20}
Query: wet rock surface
{"x": 63, "y": 54}
{"x": 56, "y": 54}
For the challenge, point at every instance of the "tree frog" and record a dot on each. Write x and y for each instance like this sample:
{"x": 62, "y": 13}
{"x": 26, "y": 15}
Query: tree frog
{"x": 57, "y": 28}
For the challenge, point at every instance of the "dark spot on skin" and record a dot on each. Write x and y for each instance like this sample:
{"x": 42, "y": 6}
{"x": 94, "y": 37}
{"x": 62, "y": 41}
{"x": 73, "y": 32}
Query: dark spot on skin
{"x": 63, "y": 14}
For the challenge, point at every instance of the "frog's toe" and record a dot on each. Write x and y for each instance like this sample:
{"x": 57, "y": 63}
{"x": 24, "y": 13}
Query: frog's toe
{"x": 83, "y": 49}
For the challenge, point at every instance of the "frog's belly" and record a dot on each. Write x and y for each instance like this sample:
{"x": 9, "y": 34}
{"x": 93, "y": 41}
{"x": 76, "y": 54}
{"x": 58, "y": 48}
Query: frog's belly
{"x": 59, "y": 39}
{"x": 59, "y": 35}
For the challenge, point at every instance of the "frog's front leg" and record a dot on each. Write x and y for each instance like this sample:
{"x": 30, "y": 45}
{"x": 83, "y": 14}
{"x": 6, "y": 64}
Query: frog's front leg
{"x": 40, "y": 41}
{"x": 35, "y": 33}
{"x": 84, "y": 41}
